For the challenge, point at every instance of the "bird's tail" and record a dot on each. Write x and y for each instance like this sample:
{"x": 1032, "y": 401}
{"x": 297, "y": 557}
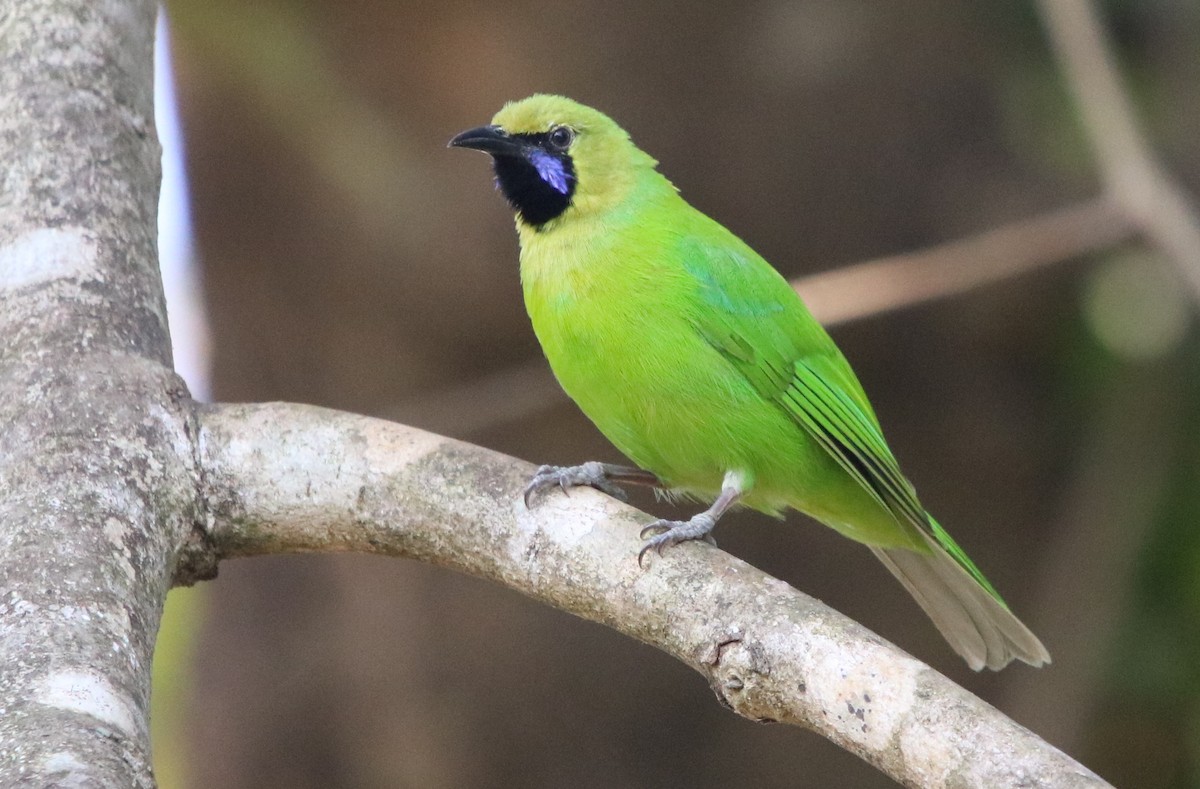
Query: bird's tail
{"x": 969, "y": 614}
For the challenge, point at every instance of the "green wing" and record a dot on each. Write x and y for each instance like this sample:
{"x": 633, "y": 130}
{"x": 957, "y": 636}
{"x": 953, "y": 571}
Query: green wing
{"x": 751, "y": 315}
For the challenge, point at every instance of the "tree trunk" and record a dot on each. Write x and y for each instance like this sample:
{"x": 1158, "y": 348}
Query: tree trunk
{"x": 97, "y": 474}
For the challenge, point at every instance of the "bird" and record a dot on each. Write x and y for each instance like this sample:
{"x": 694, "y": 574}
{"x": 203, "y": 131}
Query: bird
{"x": 701, "y": 364}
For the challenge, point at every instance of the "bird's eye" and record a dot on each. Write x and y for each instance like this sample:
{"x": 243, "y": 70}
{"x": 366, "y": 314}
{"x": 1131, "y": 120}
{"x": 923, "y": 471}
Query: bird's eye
{"x": 561, "y": 137}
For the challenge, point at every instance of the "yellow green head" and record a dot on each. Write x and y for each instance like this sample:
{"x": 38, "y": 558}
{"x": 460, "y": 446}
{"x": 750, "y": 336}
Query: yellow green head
{"x": 556, "y": 159}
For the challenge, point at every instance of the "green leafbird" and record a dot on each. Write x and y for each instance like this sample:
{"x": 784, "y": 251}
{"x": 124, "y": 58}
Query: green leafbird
{"x": 701, "y": 364}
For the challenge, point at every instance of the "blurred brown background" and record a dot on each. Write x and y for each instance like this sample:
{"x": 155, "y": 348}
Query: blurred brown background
{"x": 350, "y": 260}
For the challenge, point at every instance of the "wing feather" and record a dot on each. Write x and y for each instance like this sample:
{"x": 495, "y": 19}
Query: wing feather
{"x": 768, "y": 334}
{"x": 751, "y": 316}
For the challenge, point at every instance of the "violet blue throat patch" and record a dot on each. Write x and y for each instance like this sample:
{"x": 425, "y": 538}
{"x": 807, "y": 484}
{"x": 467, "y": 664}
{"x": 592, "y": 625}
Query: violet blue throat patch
{"x": 550, "y": 169}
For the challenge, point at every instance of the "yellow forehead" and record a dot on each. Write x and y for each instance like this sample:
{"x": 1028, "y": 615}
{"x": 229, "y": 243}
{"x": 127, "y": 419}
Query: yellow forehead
{"x": 541, "y": 112}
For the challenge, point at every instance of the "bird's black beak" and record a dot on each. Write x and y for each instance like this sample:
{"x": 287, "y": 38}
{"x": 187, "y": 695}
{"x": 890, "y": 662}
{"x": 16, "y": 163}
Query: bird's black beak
{"x": 489, "y": 139}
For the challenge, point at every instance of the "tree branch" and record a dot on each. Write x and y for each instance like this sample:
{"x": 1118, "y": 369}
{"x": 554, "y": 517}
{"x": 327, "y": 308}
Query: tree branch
{"x": 890, "y": 283}
{"x": 1132, "y": 177}
{"x": 287, "y": 478}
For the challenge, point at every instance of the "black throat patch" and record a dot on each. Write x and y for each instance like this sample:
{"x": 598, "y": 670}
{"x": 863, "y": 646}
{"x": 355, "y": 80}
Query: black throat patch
{"x": 538, "y": 184}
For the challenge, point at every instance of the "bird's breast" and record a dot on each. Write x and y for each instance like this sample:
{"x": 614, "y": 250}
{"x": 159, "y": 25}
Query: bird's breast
{"x": 617, "y": 335}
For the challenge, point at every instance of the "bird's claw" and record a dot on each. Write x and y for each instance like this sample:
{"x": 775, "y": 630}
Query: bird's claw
{"x": 664, "y": 533}
{"x": 591, "y": 474}
{"x": 545, "y": 477}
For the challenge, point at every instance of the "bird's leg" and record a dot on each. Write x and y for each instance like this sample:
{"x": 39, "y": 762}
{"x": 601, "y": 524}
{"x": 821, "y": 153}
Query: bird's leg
{"x": 602, "y": 476}
{"x": 699, "y": 526}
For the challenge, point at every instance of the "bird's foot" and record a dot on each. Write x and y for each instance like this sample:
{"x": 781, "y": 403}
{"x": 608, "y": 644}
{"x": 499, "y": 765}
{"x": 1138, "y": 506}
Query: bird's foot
{"x": 593, "y": 474}
{"x": 666, "y": 533}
